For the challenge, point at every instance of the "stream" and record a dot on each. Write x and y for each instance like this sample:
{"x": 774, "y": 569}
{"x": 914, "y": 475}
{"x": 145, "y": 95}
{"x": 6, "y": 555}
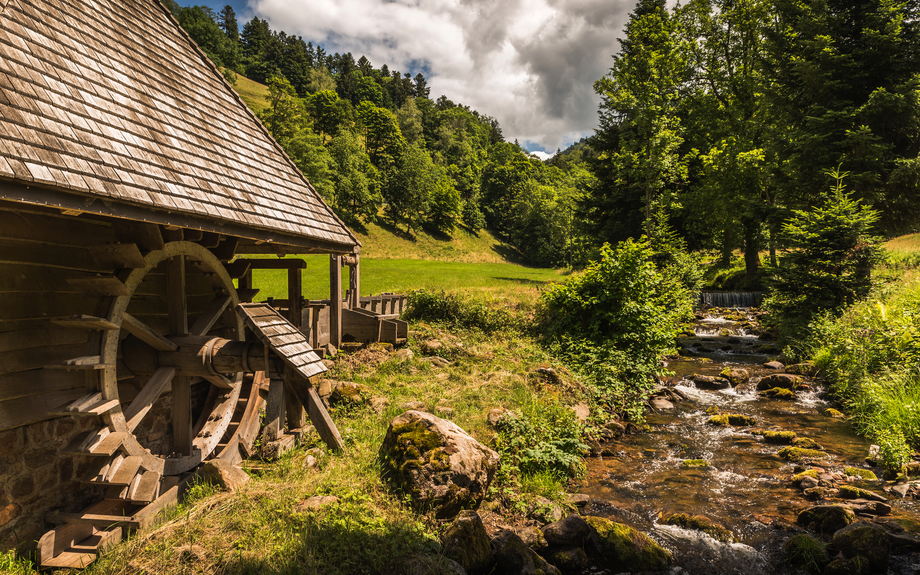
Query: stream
{"x": 640, "y": 478}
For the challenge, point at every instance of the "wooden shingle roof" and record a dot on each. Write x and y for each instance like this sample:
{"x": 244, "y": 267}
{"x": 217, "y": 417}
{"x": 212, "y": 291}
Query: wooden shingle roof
{"x": 111, "y": 99}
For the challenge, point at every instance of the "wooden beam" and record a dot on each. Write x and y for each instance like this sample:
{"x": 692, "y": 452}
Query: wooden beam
{"x": 274, "y": 410}
{"x": 354, "y": 283}
{"x": 99, "y": 286}
{"x": 295, "y": 297}
{"x": 145, "y": 235}
{"x": 118, "y": 256}
{"x": 277, "y": 264}
{"x": 86, "y": 322}
{"x": 316, "y": 410}
{"x": 335, "y": 295}
{"x": 182, "y": 415}
{"x": 144, "y": 400}
{"x": 210, "y": 315}
{"x": 175, "y": 296}
{"x": 146, "y": 334}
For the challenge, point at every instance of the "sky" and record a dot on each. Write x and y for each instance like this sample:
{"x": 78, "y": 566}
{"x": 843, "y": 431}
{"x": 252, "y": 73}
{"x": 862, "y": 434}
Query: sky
{"x": 531, "y": 64}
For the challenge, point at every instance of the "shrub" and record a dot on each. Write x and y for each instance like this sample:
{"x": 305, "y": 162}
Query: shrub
{"x": 613, "y": 322}
{"x": 827, "y": 260}
{"x": 454, "y": 310}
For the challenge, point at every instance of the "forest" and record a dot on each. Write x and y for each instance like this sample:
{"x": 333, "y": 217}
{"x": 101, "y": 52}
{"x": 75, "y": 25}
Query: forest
{"x": 718, "y": 119}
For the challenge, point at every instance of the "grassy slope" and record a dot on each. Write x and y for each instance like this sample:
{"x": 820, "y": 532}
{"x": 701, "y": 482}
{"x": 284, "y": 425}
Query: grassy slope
{"x": 253, "y": 93}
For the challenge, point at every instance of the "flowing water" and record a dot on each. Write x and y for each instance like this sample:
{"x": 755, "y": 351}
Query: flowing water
{"x": 746, "y": 486}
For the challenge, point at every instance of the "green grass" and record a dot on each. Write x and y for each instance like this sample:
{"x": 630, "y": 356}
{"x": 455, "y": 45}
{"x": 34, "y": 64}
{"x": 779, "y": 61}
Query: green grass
{"x": 382, "y": 241}
{"x": 253, "y": 93}
{"x": 498, "y": 281}
{"x": 904, "y": 244}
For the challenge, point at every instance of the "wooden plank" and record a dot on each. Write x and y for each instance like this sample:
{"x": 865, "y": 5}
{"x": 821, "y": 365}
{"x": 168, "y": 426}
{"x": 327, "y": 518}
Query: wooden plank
{"x": 97, "y": 471}
{"x": 118, "y": 256}
{"x": 65, "y": 231}
{"x": 144, "y": 400}
{"x": 17, "y": 360}
{"x": 71, "y": 559}
{"x": 59, "y": 539}
{"x": 97, "y": 520}
{"x": 34, "y": 408}
{"x": 109, "y": 444}
{"x": 33, "y": 278}
{"x": 210, "y": 315}
{"x": 170, "y": 490}
{"x": 182, "y": 415}
{"x": 175, "y": 296}
{"x": 274, "y": 411}
{"x": 238, "y": 268}
{"x": 146, "y": 334}
{"x": 316, "y": 410}
{"x": 89, "y": 405}
{"x": 86, "y": 322}
{"x": 42, "y": 306}
{"x": 125, "y": 472}
{"x": 247, "y": 294}
{"x": 99, "y": 286}
{"x": 99, "y": 542}
{"x": 335, "y": 295}
{"x": 83, "y": 363}
{"x": 146, "y": 488}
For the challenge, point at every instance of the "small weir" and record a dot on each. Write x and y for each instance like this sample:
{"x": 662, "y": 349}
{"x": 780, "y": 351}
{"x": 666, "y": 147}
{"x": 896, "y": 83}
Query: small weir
{"x": 744, "y": 484}
{"x": 731, "y": 299}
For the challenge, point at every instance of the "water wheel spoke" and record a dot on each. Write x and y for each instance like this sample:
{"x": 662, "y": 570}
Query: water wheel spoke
{"x": 157, "y": 383}
{"x": 145, "y": 333}
{"x": 210, "y": 315}
{"x": 176, "y": 304}
{"x": 182, "y": 415}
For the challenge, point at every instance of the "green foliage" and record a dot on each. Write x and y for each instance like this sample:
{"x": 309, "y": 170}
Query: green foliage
{"x": 454, "y": 310}
{"x": 827, "y": 261}
{"x": 615, "y": 320}
{"x": 544, "y": 437}
{"x": 444, "y": 206}
{"x": 806, "y": 551}
{"x": 356, "y": 180}
{"x": 13, "y": 565}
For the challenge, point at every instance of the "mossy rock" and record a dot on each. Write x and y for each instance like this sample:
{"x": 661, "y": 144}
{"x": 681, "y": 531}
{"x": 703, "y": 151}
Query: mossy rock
{"x": 853, "y": 492}
{"x": 780, "y": 437}
{"x": 806, "y": 552}
{"x": 836, "y": 414}
{"x": 467, "y": 542}
{"x": 778, "y": 393}
{"x": 694, "y": 464}
{"x": 865, "y": 474}
{"x": 731, "y": 419}
{"x": 826, "y": 518}
{"x": 799, "y": 454}
{"x": 797, "y": 479}
{"x": 700, "y": 523}
{"x": 713, "y": 410}
{"x": 806, "y": 443}
{"x": 736, "y": 376}
{"x": 866, "y": 541}
{"x": 630, "y": 550}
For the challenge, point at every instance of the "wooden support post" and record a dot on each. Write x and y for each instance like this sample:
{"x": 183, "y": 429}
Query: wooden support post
{"x": 296, "y": 416}
{"x": 175, "y": 290}
{"x": 295, "y": 297}
{"x": 354, "y": 282}
{"x": 274, "y": 406}
{"x": 335, "y": 297}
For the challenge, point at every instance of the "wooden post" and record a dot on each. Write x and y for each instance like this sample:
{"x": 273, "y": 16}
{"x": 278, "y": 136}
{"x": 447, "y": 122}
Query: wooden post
{"x": 181, "y": 415}
{"x": 295, "y": 294}
{"x": 354, "y": 282}
{"x": 335, "y": 297}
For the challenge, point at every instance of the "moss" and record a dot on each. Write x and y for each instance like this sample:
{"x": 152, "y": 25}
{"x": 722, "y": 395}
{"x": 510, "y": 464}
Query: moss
{"x": 865, "y": 474}
{"x": 853, "y": 492}
{"x": 694, "y": 464}
{"x": 806, "y": 552}
{"x": 781, "y": 437}
{"x": 797, "y": 479}
{"x": 632, "y": 550}
{"x": 798, "y": 454}
{"x": 806, "y": 443}
{"x": 700, "y": 523}
{"x": 407, "y": 448}
{"x": 439, "y": 459}
{"x": 778, "y": 393}
{"x": 713, "y": 410}
{"x": 831, "y": 412}
{"x": 733, "y": 419}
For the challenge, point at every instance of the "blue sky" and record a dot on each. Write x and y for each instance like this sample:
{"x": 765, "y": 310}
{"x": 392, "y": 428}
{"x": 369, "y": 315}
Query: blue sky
{"x": 531, "y": 64}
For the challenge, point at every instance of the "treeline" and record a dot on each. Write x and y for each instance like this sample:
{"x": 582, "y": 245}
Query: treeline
{"x": 719, "y": 118}
{"x": 374, "y": 143}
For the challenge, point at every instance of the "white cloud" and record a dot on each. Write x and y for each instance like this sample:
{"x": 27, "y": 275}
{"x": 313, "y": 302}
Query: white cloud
{"x": 530, "y": 64}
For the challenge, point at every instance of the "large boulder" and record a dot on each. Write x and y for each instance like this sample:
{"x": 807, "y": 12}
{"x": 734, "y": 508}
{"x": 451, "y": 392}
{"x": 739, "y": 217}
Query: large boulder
{"x": 783, "y": 380}
{"x": 573, "y": 531}
{"x": 627, "y": 548}
{"x": 223, "y": 474}
{"x": 513, "y": 557}
{"x": 867, "y": 541}
{"x": 467, "y": 542}
{"x": 436, "y": 463}
{"x": 826, "y": 518}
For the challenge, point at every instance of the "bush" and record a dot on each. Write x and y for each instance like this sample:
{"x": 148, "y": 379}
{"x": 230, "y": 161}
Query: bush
{"x": 457, "y": 311}
{"x": 827, "y": 261}
{"x": 614, "y": 321}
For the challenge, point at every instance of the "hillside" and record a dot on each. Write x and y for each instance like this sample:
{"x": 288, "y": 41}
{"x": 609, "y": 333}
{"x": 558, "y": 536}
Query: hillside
{"x": 253, "y": 93}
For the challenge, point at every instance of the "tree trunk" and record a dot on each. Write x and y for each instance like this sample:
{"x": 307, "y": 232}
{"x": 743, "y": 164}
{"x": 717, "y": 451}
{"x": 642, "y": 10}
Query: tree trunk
{"x": 751, "y": 247}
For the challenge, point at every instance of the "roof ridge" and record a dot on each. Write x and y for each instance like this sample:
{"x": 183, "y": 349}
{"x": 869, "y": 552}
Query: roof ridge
{"x": 234, "y": 94}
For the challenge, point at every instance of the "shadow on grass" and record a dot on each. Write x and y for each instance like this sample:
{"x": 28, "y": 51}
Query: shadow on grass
{"x": 510, "y": 254}
{"x": 525, "y": 281}
{"x": 401, "y": 234}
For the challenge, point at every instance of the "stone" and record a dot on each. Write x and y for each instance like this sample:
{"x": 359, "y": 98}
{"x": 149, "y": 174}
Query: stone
{"x": 532, "y": 537}
{"x": 379, "y": 404}
{"x": 865, "y": 540}
{"x": 843, "y": 566}
{"x": 466, "y": 542}
{"x": 709, "y": 381}
{"x": 9, "y": 512}
{"x": 316, "y": 502}
{"x": 495, "y": 415}
{"x": 774, "y": 365}
{"x": 629, "y": 549}
{"x": 731, "y": 419}
{"x": 700, "y": 523}
{"x": 437, "y": 464}
{"x": 735, "y": 375}
{"x": 545, "y": 511}
{"x": 799, "y": 455}
{"x": 568, "y": 532}
{"x": 327, "y": 363}
{"x": 309, "y": 462}
{"x": 413, "y": 405}
{"x": 431, "y": 346}
{"x": 660, "y": 404}
{"x": 444, "y": 410}
{"x": 783, "y": 380}
{"x": 578, "y": 499}
{"x": 347, "y": 393}
{"x": 807, "y": 369}
{"x": 900, "y": 489}
{"x": 433, "y": 565}
{"x": 329, "y": 350}
{"x": 826, "y": 518}
{"x": 223, "y": 474}
{"x": 569, "y": 559}
{"x": 582, "y": 412}
{"x": 404, "y": 354}
{"x": 513, "y": 557}
{"x": 325, "y": 387}
{"x": 436, "y": 361}
{"x": 807, "y": 482}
